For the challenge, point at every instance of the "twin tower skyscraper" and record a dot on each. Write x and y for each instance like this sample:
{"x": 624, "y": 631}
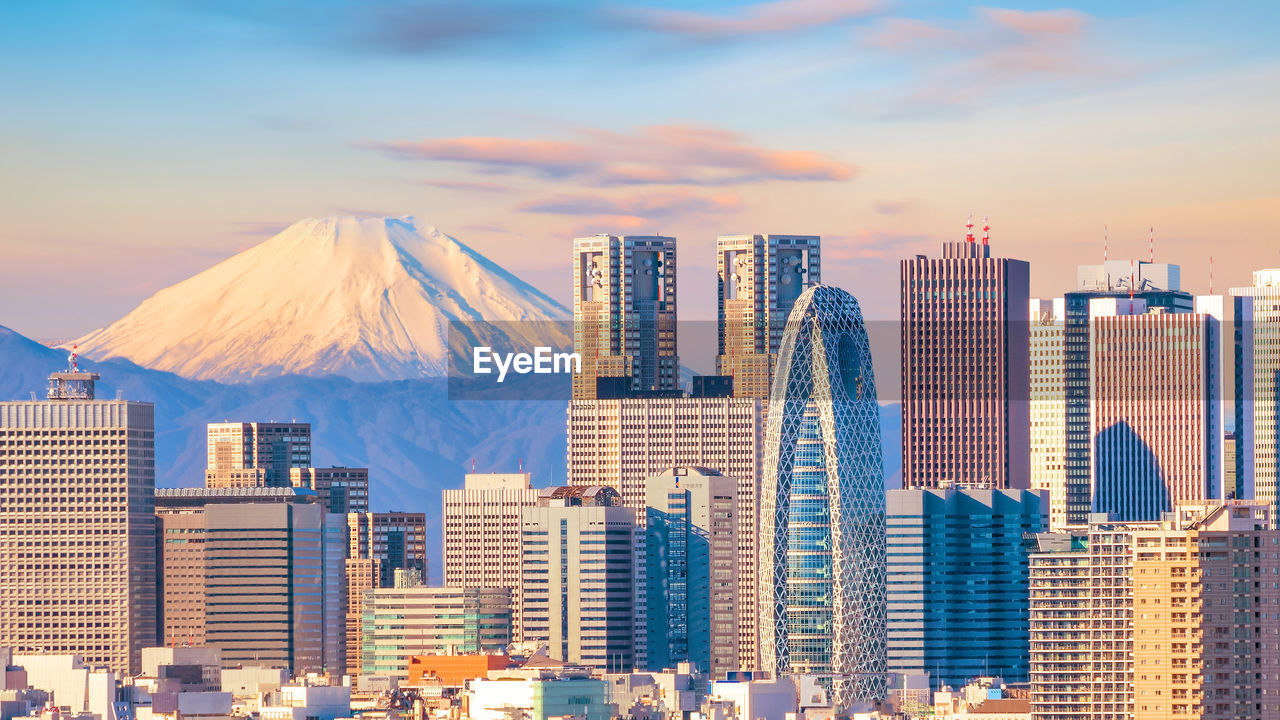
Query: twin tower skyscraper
{"x": 812, "y": 565}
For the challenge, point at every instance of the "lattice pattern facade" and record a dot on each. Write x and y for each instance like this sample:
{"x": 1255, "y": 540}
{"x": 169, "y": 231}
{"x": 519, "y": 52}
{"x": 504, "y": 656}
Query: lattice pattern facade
{"x": 822, "y": 530}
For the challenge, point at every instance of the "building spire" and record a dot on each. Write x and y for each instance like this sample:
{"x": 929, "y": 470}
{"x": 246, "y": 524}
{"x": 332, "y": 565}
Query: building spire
{"x": 968, "y": 227}
{"x": 1106, "y": 244}
{"x": 986, "y": 230}
{"x": 1152, "y": 244}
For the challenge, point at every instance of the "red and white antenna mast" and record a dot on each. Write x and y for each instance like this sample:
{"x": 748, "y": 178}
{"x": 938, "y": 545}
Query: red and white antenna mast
{"x": 75, "y": 358}
{"x": 1106, "y": 244}
{"x": 1210, "y": 274}
{"x": 1151, "y": 244}
{"x": 986, "y": 230}
{"x": 968, "y": 226}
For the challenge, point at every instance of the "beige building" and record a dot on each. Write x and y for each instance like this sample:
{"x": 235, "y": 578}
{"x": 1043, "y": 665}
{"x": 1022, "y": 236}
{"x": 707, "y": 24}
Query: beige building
{"x": 760, "y": 277}
{"x": 622, "y": 443}
{"x": 1048, "y": 407}
{"x": 362, "y": 575}
{"x": 624, "y": 311}
{"x": 1257, "y": 387}
{"x": 579, "y": 579}
{"x": 1160, "y": 619}
{"x": 482, "y": 532}
{"x": 341, "y": 490}
{"x": 965, "y": 384}
{"x": 255, "y": 454}
{"x": 78, "y": 545}
{"x": 400, "y": 623}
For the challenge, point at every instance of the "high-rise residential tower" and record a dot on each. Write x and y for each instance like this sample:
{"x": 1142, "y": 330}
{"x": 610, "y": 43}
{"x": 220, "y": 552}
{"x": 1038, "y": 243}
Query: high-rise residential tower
{"x": 760, "y": 277}
{"x": 256, "y": 454}
{"x": 1156, "y": 284}
{"x": 341, "y": 490}
{"x": 579, "y": 581}
{"x": 957, "y": 581}
{"x": 692, "y": 571}
{"x": 78, "y": 545}
{"x": 1257, "y": 387}
{"x": 1158, "y": 620}
{"x": 1156, "y": 411}
{"x": 822, "y": 531}
{"x": 398, "y": 540}
{"x": 965, "y": 383}
{"x": 624, "y": 312}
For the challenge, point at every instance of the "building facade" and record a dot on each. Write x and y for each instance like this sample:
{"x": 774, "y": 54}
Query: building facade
{"x": 760, "y": 277}
{"x": 255, "y": 454}
{"x": 400, "y": 623}
{"x": 77, "y": 554}
{"x": 622, "y": 443}
{"x": 624, "y": 311}
{"x": 341, "y": 490}
{"x": 398, "y": 540}
{"x": 965, "y": 381}
{"x": 692, "y": 591}
{"x": 822, "y": 532}
{"x": 1257, "y": 386}
{"x": 1048, "y": 441}
{"x": 580, "y": 579}
{"x": 1157, "y": 285}
{"x": 1156, "y": 411}
{"x": 956, "y": 577}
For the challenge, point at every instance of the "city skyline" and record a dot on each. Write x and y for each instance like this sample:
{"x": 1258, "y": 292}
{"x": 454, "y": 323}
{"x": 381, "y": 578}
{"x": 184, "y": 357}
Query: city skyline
{"x": 1056, "y": 123}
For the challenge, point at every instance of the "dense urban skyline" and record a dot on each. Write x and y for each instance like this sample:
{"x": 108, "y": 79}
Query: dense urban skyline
{"x": 173, "y": 135}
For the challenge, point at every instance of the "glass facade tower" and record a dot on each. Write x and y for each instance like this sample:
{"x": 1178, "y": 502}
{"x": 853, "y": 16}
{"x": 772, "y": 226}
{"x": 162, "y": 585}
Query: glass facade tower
{"x": 822, "y": 530}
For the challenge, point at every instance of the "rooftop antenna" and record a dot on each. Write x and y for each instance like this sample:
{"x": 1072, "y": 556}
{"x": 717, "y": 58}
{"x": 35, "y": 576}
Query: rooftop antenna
{"x": 473, "y": 466}
{"x": 968, "y": 236}
{"x": 1210, "y": 274}
{"x": 75, "y": 358}
{"x": 1131, "y": 287}
{"x": 520, "y": 465}
{"x": 1106, "y": 244}
{"x": 1152, "y": 244}
{"x": 986, "y": 230}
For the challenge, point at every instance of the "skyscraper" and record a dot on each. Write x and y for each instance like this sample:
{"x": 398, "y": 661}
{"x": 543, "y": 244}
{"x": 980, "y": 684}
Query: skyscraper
{"x": 482, "y": 533}
{"x": 624, "y": 311}
{"x": 692, "y": 571}
{"x": 341, "y": 490}
{"x": 406, "y": 621}
{"x": 1156, "y": 419}
{"x": 256, "y": 454}
{"x": 579, "y": 581}
{"x": 957, "y": 581}
{"x": 1161, "y": 619}
{"x": 1156, "y": 284}
{"x": 760, "y": 277}
{"x": 1257, "y": 387}
{"x": 1049, "y": 407}
{"x": 78, "y": 546}
{"x": 622, "y": 443}
{"x": 822, "y": 532}
{"x": 398, "y": 540}
{"x": 965, "y": 383}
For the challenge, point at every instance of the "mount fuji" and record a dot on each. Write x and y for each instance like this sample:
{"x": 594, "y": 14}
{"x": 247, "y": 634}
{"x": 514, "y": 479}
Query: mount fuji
{"x": 367, "y": 299}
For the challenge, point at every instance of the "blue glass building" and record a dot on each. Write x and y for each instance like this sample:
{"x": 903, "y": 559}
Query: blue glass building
{"x": 822, "y": 558}
{"x": 957, "y": 574}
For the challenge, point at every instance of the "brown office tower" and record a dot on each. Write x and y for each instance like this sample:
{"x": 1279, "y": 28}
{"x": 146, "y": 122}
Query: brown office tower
{"x": 622, "y": 443}
{"x": 77, "y": 549}
{"x": 255, "y": 572}
{"x": 256, "y": 454}
{"x": 965, "y": 371}
{"x": 342, "y": 490}
{"x": 362, "y": 576}
{"x": 760, "y": 277}
{"x": 398, "y": 540}
{"x": 624, "y": 313}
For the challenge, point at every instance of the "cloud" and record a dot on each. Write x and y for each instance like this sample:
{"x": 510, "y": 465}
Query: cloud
{"x": 961, "y": 63}
{"x": 894, "y": 207}
{"x": 466, "y": 186}
{"x": 651, "y": 206}
{"x": 778, "y": 16}
{"x": 866, "y": 244}
{"x": 655, "y": 155}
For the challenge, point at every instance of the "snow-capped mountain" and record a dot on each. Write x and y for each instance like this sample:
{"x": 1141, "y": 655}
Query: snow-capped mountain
{"x": 365, "y": 298}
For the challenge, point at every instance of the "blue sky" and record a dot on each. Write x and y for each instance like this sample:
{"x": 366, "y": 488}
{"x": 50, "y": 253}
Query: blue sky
{"x": 146, "y": 141}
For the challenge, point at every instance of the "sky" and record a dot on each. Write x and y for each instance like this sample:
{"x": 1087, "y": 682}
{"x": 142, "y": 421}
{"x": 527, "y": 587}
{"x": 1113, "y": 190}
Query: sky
{"x": 144, "y": 142}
